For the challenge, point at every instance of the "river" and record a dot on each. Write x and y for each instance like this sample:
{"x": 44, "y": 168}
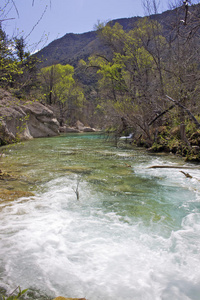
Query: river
{"x": 133, "y": 234}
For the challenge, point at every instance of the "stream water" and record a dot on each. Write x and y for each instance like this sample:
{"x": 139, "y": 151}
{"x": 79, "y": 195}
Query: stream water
{"x": 134, "y": 233}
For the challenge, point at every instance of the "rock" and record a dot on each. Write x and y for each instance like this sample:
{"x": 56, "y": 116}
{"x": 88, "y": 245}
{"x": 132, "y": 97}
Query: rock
{"x": 88, "y": 129}
{"x": 79, "y": 126}
{"x": 6, "y": 137}
{"x": 41, "y": 121}
{"x": 24, "y": 120}
{"x": 11, "y": 195}
{"x": 65, "y": 129}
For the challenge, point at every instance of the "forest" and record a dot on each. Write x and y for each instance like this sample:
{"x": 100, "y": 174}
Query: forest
{"x": 146, "y": 82}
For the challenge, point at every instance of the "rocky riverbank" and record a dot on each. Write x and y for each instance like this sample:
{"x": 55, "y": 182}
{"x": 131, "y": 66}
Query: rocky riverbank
{"x": 170, "y": 141}
{"x": 78, "y": 128}
{"x": 22, "y": 120}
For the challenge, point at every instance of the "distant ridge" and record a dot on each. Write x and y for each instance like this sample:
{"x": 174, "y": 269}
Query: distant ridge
{"x": 70, "y": 48}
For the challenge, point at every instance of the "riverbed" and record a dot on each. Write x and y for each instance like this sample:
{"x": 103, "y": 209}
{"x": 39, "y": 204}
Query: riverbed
{"x": 132, "y": 233}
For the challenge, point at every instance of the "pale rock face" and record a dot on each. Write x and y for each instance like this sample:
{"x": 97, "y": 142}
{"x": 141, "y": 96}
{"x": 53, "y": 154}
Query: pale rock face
{"x": 40, "y": 120}
{"x": 24, "y": 120}
{"x": 80, "y": 126}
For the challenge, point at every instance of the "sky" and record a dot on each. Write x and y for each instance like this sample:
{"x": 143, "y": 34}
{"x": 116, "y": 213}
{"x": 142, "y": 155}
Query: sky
{"x": 42, "y": 21}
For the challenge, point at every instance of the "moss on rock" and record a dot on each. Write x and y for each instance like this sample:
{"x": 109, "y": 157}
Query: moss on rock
{"x": 10, "y": 195}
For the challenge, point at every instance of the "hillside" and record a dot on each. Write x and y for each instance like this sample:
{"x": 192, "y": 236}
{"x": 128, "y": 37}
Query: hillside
{"x": 70, "y": 48}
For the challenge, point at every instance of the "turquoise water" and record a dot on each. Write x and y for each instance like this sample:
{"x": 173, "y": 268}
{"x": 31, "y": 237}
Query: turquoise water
{"x": 133, "y": 234}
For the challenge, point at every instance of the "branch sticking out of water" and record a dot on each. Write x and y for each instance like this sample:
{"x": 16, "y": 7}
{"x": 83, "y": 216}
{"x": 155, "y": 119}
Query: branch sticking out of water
{"x": 76, "y": 191}
{"x": 186, "y": 174}
{"x": 189, "y": 176}
{"x": 175, "y": 167}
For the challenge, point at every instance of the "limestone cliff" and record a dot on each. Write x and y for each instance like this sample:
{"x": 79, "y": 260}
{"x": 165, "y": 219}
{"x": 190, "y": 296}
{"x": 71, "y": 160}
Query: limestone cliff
{"x": 20, "y": 120}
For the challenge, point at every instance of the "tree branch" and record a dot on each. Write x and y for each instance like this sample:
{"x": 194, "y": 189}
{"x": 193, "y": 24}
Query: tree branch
{"x": 161, "y": 114}
{"x": 37, "y": 22}
{"x": 187, "y": 110}
{"x": 13, "y": 2}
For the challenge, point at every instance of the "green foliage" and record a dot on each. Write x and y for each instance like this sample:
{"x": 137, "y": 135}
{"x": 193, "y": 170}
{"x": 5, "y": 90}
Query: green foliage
{"x": 190, "y": 126}
{"x": 126, "y": 78}
{"x": 9, "y": 66}
{"x": 57, "y": 80}
{"x": 17, "y": 66}
{"x": 141, "y": 69}
{"x": 59, "y": 87}
{"x": 13, "y": 295}
{"x": 59, "y": 84}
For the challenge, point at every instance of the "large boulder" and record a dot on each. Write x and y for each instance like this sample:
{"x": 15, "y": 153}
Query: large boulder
{"x": 67, "y": 129}
{"x": 88, "y": 129}
{"x": 81, "y": 127}
{"x": 41, "y": 121}
{"x": 24, "y": 120}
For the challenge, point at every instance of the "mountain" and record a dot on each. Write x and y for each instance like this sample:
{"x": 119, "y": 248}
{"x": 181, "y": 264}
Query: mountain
{"x": 70, "y": 48}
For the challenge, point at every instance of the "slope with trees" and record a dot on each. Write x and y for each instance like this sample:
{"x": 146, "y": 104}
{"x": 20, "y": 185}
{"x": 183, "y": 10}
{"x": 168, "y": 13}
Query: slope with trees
{"x": 144, "y": 73}
{"x": 59, "y": 88}
{"x": 139, "y": 75}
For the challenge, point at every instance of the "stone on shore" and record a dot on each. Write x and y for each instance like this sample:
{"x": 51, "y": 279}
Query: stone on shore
{"x": 81, "y": 127}
{"x": 66, "y": 129}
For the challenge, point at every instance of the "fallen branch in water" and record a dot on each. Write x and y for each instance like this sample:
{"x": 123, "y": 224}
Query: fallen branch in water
{"x": 175, "y": 167}
{"x": 76, "y": 191}
{"x": 189, "y": 176}
{"x": 186, "y": 174}
{"x": 168, "y": 167}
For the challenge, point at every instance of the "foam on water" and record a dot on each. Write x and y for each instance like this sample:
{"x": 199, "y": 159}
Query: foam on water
{"x": 133, "y": 235}
{"x": 62, "y": 246}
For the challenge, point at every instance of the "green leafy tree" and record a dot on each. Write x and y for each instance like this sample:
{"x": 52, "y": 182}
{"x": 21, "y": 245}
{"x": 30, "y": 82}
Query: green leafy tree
{"x": 9, "y": 66}
{"x": 18, "y": 69}
{"x": 60, "y": 88}
{"x": 128, "y": 77}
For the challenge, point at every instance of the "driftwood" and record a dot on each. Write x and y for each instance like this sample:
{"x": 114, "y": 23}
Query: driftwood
{"x": 189, "y": 176}
{"x": 175, "y": 167}
{"x": 186, "y": 174}
{"x": 168, "y": 167}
